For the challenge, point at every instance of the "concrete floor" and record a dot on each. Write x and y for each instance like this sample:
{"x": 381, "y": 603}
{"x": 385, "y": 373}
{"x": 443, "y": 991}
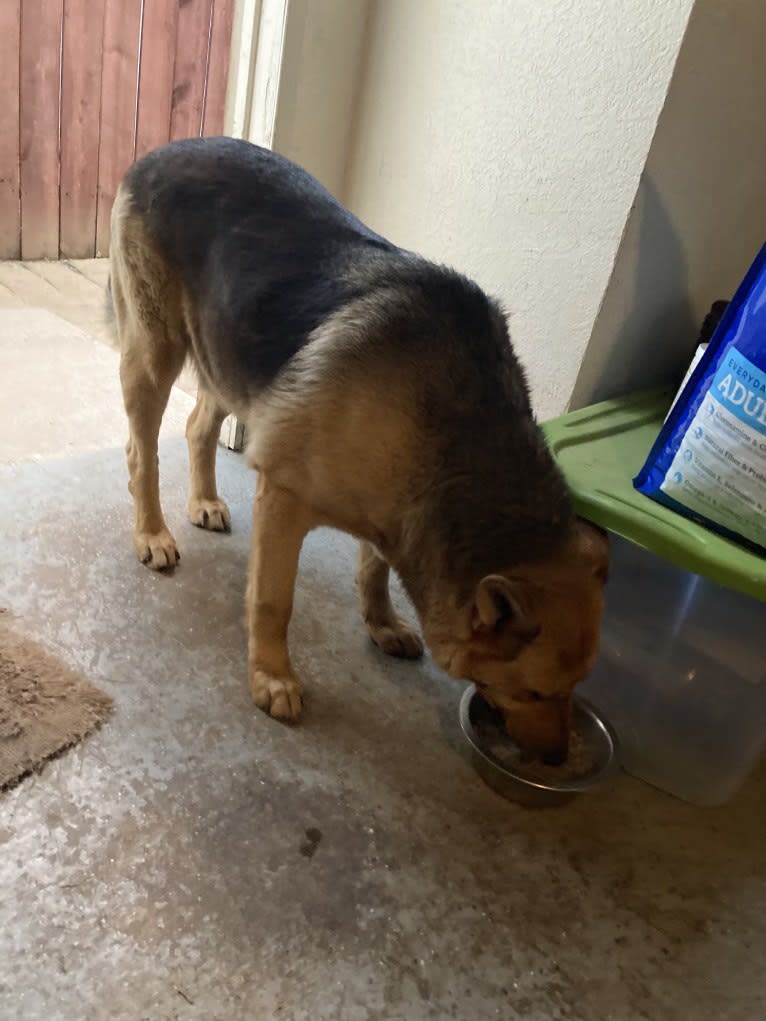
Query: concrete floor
{"x": 196, "y": 860}
{"x": 74, "y": 290}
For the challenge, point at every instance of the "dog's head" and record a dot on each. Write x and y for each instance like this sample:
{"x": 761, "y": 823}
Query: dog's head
{"x": 528, "y": 635}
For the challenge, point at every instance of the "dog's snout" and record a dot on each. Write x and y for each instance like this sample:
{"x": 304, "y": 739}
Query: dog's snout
{"x": 541, "y": 727}
{"x": 556, "y": 758}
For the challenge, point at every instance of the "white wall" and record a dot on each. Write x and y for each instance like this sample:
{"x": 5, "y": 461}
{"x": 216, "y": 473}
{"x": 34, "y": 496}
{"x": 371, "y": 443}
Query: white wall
{"x": 700, "y": 215}
{"x": 321, "y": 68}
{"x": 507, "y": 137}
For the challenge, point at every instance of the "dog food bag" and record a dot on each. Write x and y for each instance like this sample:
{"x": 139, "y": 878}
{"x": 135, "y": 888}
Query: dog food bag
{"x": 709, "y": 460}
{"x": 701, "y": 349}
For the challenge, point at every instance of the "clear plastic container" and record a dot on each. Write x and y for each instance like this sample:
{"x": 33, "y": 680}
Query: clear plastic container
{"x": 681, "y": 676}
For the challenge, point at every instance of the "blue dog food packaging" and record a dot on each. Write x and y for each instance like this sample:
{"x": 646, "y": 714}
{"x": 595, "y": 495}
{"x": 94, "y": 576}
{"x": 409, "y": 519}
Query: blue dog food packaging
{"x": 709, "y": 460}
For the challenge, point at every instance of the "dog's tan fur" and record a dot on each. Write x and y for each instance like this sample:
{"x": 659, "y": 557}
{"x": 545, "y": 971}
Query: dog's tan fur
{"x": 324, "y": 459}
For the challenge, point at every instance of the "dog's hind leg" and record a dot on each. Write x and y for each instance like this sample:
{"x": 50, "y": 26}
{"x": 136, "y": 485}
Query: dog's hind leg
{"x": 146, "y": 302}
{"x": 281, "y": 521}
{"x": 146, "y": 396}
{"x": 206, "y": 509}
{"x": 389, "y": 632}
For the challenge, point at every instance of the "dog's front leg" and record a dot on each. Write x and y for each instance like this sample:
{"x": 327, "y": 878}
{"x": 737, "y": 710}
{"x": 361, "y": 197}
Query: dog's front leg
{"x": 390, "y": 633}
{"x": 280, "y": 524}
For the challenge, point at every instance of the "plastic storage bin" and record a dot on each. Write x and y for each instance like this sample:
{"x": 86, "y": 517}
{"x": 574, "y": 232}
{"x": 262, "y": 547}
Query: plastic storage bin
{"x": 682, "y": 671}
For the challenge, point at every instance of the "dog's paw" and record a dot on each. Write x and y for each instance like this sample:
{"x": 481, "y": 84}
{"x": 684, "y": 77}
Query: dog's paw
{"x": 158, "y": 550}
{"x": 211, "y": 514}
{"x": 399, "y": 640}
{"x": 280, "y": 697}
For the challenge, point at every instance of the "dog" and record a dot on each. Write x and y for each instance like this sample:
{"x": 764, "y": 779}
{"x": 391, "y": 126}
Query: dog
{"x": 381, "y": 396}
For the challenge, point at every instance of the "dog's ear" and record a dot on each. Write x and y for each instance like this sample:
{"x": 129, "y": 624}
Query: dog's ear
{"x": 592, "y": 547}
{"x": 504, "y": 606}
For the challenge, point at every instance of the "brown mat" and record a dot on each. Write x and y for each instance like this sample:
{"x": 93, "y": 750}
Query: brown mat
{"x": 44, "y": 706}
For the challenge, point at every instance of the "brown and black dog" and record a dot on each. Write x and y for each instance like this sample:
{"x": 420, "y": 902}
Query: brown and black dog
{"x": 381, "y": 396}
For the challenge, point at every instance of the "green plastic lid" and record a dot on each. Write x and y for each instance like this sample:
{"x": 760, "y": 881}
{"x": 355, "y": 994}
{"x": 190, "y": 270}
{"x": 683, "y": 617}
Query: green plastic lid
{"x": 600, "y": 449}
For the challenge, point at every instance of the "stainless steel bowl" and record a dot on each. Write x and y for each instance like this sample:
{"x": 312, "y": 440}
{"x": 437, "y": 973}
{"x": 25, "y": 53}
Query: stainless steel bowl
{"x": 512, "y": 783}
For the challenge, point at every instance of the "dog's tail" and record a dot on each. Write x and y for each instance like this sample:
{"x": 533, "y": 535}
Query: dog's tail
{"x": 109, "y": 303}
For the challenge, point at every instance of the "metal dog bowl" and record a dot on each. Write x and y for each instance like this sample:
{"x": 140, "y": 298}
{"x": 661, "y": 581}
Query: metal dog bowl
{"x": 516, "y": 785}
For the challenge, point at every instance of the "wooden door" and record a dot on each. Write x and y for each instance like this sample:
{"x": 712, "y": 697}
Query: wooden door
{"x": 88, "y": 86}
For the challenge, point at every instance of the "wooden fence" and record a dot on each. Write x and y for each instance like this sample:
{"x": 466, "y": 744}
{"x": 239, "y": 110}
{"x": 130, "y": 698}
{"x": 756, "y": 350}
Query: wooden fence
{"x": 86, "y": 87}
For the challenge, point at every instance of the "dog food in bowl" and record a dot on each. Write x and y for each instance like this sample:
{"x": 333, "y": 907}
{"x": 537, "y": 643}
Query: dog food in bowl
{"x": 592, "y": 760}
{"x": 495, "y": 741}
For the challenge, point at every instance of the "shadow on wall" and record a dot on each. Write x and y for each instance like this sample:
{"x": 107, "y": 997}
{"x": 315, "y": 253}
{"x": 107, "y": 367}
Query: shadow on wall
{"x": 646, "y": 321}
{"x": 700, "y": 212}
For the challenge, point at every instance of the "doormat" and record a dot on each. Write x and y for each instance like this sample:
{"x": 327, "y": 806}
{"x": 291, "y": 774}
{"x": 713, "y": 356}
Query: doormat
{"x": 44, "y": 706}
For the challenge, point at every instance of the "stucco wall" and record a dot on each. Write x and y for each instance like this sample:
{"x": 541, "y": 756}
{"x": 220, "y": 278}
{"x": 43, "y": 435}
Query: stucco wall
{"x": 700, "y": 215}
{"x": 320, "y": 74}
{"x": 507, "y": 139}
